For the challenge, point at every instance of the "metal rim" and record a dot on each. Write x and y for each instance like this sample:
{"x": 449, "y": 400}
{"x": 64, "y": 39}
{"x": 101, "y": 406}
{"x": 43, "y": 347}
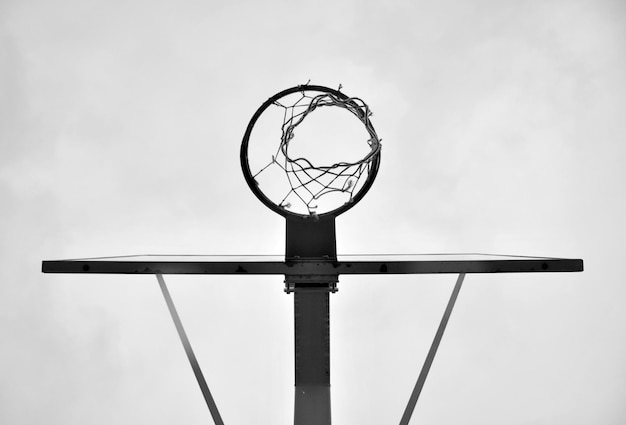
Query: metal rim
{"x": 245, "y": 167}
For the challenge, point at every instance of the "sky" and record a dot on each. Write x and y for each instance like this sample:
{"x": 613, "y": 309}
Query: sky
{"x": 503, "y": 131}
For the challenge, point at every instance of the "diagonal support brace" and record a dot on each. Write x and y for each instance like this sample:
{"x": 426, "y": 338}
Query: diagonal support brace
{"x": 190, "y": 354}
{"x": 406, "y": 417}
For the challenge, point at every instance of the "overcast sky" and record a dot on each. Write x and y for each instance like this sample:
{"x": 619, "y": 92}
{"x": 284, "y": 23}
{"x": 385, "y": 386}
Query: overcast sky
{"x": 503, "y": 132}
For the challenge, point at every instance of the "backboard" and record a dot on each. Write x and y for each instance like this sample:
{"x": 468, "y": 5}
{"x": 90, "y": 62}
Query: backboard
{"x": 344, "y": 264}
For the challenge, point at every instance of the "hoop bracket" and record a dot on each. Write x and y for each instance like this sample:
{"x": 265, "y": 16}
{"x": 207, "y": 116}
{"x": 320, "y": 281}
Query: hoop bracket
{"x": 311, "y": 283}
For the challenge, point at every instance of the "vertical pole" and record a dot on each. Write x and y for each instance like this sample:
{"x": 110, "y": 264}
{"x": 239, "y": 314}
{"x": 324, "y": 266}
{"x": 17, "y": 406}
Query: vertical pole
{"x": 312, "y": 358}
{"x": 311, "y": 238}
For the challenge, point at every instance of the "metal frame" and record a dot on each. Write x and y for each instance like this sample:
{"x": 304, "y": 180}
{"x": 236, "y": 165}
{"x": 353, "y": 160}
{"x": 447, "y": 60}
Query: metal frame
{"x": 311, "y": 281}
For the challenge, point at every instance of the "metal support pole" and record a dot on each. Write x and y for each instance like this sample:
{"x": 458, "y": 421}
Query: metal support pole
{"x": 312, "y": 358}
{"x": 311, "y": 239}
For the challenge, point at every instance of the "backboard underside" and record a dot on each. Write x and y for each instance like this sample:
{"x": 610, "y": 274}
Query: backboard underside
{"x": 345, "y": 264}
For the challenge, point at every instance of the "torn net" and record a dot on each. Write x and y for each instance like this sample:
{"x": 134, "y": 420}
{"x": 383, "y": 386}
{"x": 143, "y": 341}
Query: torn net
{"x": 308, "y": 182}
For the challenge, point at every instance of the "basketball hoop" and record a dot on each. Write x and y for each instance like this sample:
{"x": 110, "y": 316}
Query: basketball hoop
{"x": 307, "y": 189}
{"x": 310, "y": 193}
